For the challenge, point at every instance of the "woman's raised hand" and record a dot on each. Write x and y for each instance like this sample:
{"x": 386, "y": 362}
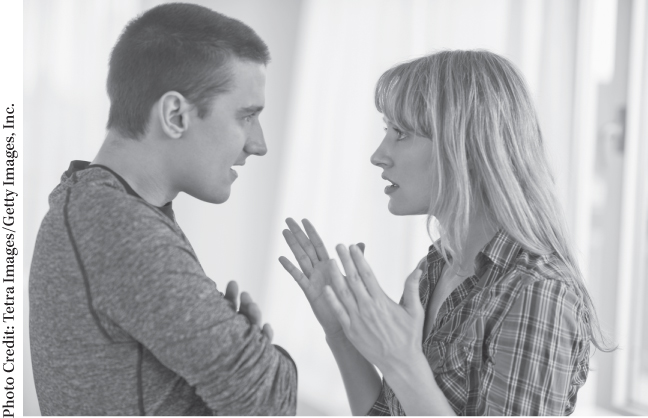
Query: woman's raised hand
{"x": 384, "y": 332}
{"x": 316, "y": 270}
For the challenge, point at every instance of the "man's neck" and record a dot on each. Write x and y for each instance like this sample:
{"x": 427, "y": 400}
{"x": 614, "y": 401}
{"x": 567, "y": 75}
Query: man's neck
{"x": 140, "y": 164}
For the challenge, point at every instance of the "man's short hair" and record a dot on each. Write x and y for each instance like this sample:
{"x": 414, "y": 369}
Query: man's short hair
{"x": 175, "y": 47}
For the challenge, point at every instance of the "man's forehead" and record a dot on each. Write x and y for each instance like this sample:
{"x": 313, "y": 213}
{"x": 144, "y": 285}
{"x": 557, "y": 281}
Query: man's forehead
{"x": 246, "y": 90}
{"x": 246, "y": 71}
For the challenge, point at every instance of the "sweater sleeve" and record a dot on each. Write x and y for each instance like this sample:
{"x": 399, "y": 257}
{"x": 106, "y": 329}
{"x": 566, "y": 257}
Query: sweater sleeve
{"x": 150, "y": 284}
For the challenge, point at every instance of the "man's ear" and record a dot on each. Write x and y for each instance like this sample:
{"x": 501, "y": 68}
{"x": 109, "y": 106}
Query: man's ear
{"x": 174, "y": 114}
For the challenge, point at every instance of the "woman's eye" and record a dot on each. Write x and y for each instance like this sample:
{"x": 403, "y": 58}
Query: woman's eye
{"x": 400, "y": 134}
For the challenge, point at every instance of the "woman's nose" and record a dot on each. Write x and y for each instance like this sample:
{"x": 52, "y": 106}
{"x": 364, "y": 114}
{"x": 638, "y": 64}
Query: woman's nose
{"x": 379, "y": 157}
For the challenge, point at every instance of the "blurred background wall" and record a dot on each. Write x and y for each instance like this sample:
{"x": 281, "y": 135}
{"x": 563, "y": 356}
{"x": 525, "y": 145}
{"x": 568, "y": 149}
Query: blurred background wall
{"x": 585, "y": 64}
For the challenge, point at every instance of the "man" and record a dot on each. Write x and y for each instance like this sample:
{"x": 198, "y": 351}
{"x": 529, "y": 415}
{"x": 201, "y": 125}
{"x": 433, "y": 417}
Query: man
{"x": 123, "y": 320}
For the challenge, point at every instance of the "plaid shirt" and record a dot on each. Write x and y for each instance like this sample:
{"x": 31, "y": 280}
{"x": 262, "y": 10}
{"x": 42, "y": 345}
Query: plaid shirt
{"x": 510, "y": 340}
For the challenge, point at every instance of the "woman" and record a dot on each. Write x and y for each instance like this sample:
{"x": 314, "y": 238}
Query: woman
{"x": 495, "y": 319}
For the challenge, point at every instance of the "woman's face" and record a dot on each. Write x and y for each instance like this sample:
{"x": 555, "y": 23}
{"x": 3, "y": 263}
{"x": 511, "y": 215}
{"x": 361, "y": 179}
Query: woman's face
{"x": 406, "y": 161}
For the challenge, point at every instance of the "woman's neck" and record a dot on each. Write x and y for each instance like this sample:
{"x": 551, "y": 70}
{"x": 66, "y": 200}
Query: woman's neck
{"x": 480, "y": 231}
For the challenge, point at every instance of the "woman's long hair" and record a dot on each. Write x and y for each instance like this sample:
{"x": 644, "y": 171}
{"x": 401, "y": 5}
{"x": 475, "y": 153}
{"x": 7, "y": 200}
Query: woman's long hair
{"x": 488, "y": 153}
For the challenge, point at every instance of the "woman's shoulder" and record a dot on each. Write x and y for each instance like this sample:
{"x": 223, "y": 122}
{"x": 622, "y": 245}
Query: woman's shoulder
{"x": 539, "y": 281}
{"x": 543, "y": 269}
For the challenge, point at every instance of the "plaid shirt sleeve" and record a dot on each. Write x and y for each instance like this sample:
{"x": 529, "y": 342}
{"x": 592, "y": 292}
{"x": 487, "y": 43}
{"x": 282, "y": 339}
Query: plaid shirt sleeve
{"x": 380, "y": 406}
{"x": 533, "y": 353}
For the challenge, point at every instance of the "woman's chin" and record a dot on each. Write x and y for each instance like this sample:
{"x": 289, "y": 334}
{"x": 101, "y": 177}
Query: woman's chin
{"x": 396, "y": 210}
{"x": 400, "y": 210}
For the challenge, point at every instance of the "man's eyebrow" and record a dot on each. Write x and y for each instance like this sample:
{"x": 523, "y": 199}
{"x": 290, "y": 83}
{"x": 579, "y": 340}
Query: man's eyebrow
{"x": 251, "y": 109}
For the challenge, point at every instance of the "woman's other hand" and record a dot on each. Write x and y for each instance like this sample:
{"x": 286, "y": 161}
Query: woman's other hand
{"x": 314, "y": 276}
{"x": 384, "y": 332}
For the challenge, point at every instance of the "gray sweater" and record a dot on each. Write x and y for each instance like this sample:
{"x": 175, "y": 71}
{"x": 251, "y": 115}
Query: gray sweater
{"x": 123, "y": 320}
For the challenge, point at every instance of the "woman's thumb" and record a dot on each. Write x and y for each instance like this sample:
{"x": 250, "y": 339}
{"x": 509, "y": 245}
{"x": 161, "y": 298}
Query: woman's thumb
{"x": 411, "y": 293}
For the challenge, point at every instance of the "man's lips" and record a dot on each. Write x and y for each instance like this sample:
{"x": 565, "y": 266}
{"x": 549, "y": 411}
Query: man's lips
{"x": 234, "y": 173}
{"x": 389, "y": 180}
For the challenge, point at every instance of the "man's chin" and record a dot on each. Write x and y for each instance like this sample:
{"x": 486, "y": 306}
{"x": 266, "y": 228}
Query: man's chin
{"x": 216, "y": 198}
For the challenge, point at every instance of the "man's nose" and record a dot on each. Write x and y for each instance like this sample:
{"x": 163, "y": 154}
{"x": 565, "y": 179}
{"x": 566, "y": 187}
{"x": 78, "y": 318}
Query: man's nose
{"x": 256, "y": 143}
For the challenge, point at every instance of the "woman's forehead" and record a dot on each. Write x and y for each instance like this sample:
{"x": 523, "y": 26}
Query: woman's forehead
{"x": 388, "y": 121}
{"x": 393, "y": 122}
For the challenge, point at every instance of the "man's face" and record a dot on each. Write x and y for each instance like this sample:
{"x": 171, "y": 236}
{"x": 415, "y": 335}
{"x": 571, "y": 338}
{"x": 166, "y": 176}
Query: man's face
{"x": 224, "y": 138}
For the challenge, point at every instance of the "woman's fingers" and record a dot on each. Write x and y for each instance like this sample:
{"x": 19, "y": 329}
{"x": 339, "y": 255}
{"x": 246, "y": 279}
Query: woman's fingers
{"x": 303, "y": 259}
{"x": 231, "y": 294}
{"x": 347, "y": 262}
{"x": 297, "y": 274}
{"x": 342, "y": 291}
{"x": 338, "y": 310}
{"x": 365, "y": 272}
{"x": 354, "y": 280}
{"x": 315, "y": 239}
{"x": 411, "y": 300}
{"x": 303, "y": 240}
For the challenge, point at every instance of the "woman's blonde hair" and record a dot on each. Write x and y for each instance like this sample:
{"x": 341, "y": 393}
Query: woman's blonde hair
{"x": 488, "y": 152}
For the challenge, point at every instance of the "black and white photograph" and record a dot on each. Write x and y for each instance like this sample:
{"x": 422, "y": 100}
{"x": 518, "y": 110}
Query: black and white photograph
{"x": 325, "y": 207}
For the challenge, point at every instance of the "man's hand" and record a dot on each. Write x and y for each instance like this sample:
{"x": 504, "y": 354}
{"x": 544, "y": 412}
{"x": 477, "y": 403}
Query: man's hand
{"x": 248, "y": 308}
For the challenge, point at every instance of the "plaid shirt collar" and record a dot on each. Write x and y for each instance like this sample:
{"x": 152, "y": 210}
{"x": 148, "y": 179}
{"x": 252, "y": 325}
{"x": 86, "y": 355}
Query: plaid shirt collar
{"x": 501, "y": 250}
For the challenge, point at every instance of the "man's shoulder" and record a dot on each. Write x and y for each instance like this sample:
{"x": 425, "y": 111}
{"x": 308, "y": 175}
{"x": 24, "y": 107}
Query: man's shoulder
{"x": 96, "y": 219}
{"x": 97, "y": 192}
{"x": 96, "y": 206}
